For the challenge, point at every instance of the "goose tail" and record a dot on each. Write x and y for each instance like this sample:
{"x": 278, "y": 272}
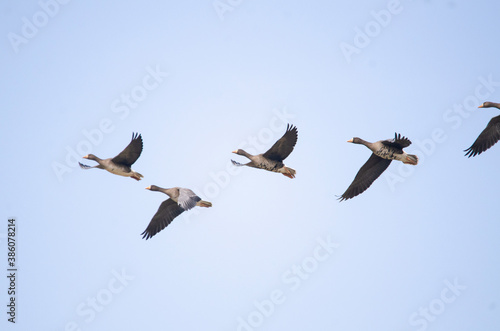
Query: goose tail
{"x": 203, "y": 203}
{"x": 137, "y": 176}
{"x": 289, "y": 172}
{"x": 411, "y": 159}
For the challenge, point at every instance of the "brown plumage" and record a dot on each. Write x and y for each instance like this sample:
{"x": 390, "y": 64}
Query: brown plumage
{"x": 120, "y": 164}
{"x": 384, "y": 151}
{"x": 489, "y": 136}
{"x": 180, "y": 199}
{"x": 272, "y": 160}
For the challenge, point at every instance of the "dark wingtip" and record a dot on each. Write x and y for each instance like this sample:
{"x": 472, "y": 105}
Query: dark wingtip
{"x": 136, "y": 135}
{"x": 236, "y": 163}
{"x": 470, "y": 152}
{"x": 291, "y": 127}
{"x": 84, "y": 166}
{"x": 341, "y": 198}
{"x": 146, "y": 235}
{"x": 398, "y": 136}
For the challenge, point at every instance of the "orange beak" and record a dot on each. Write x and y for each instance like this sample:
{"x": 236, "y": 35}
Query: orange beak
{"x": 86, "y": 157}
{"x": 148, "y": 188}
{"x": 480, "y": 106}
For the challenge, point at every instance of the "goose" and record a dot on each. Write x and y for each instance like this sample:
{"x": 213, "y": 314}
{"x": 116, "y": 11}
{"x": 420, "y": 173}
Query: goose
{"x": 120, "y": 164}
{"x": 272, "y": 160}
{"x": 489, "y": 136}
{"x": 384, "y": 151}
{"x": 180, "y": 199}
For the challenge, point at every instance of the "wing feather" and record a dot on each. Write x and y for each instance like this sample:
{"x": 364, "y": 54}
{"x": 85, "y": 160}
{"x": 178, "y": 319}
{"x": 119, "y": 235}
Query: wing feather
{"x": 487, "y": 138}
{"x": 131, "y": 153}
{"x": 365, "y": 177}
{"x": 187, "y": 199}
{"x": 86, "y": 167}
{"x": 399, "y": 142}
{"x": 168, "y": 210}
{"x": 284, "y": 146}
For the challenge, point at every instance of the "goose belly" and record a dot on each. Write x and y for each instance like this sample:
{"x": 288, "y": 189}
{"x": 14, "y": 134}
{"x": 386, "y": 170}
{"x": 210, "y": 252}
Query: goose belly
{"x": 261, "y": 162}
{"x": 388, "y": 153}
{"x": 274, "y": 167}
{"x": 119, "y": 171}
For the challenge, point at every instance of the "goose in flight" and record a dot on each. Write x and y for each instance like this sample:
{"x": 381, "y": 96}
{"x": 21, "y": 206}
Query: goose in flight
{"x": 120, "y": 164}
{"x": 180, "y": 199}
{"x": 272, "y": 160}
{"x": 383, "y": 152}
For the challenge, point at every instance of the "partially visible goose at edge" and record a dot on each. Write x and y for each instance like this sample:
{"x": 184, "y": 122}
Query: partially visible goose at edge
{"x": 120, "y": 164}
{"x": 384, "y": 151}
{"x": 181, "y": 199}
{"x": 489, "y": 136}
{"x": 272, "y": 160}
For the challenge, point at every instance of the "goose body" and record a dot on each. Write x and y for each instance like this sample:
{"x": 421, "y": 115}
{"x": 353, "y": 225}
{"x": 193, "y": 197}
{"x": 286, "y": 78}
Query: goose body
{"x": 388, "y": 149}
{"x": 383, "y": 152}
{"x": 272, "y": 160}
{"x": 489, "y": 136}
{"x": 180, "y": 199}
{"x": 120, "y": 164}
{"x": 260, "y": 162}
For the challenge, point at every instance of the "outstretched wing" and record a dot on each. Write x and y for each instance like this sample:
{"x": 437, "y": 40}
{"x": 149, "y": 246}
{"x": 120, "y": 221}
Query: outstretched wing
{"x": 168, "y": 210}
{"x": 283, "y": 147}
{"x": 249, "y": 164}
{"x": 131, "y": 153}
{"x": 237, "y": 163}
{"x": 398, "y": 142}
{"x": 84, "y": 166}
{"x": 187, "y": 199}
{"x": 368, "y": 173}
{"x": 487, "y": 138}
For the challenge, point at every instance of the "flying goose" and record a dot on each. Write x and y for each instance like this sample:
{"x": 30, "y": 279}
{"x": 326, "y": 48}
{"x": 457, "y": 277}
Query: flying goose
{"x": 120, "y": 164}
{"x": 272, "y": 160}
{"x": 489, "y": 136}
{"x": 384, "y": 151}
{"x": 180, "y": 199}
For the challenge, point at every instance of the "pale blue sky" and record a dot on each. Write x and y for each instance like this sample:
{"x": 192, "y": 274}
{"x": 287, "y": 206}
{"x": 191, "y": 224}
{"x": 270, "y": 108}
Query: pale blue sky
{"x": 417, "y": 251}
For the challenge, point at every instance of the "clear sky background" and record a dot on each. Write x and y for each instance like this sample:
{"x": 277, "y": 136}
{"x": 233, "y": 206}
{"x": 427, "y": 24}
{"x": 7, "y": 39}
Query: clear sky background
{"x": 419, "y": 250}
